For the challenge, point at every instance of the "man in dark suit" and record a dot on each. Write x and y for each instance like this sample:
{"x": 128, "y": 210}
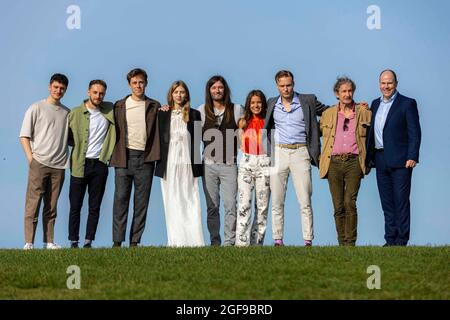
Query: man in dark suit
{"x": 294, "y": 147}
{"x": 393, "y": 149}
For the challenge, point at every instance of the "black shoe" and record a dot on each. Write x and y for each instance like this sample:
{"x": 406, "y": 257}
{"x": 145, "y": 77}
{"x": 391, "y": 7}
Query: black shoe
{"x": 387, "y": 245}
{"x": 74, "y": 244}
{"x": 87, "y": 245}
{"x": 117, "y": 244}
{"x": 133, "y": 244}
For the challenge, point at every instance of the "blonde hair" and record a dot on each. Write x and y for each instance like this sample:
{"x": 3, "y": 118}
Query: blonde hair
{"x": 187, "y": 103}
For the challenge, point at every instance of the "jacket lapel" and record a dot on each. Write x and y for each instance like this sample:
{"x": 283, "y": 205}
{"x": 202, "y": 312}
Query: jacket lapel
{"x": 358, "y": 114}
{"x": 166, "y": 124}
{"x": 394, "y": 108}
{"x": 270, "y": 108}
{"x": 334, "y": 117}
{"x": 306, "y": 112}
{"x": 374, "y": 109}
{"x": 376, "y": 105}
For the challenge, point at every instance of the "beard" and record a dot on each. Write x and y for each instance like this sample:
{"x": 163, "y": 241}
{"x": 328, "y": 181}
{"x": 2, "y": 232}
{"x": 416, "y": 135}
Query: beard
{"x": 94, "y": 103}
{"x": 217, "y": 97}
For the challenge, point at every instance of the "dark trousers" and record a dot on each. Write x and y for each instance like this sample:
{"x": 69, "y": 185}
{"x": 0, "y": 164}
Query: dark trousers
{"x": 140, "y": 174}
{"x": 394, "y": 187}
{"x": 344, "y": 180}
{"x": 95, "y": 176}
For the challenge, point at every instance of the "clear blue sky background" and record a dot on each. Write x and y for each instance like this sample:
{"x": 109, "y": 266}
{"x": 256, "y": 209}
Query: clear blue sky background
{"x": 247, "y": 41}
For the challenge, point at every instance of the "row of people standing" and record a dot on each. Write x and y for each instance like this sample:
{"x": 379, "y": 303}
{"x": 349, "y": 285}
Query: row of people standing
{"x": 142, "y": 139}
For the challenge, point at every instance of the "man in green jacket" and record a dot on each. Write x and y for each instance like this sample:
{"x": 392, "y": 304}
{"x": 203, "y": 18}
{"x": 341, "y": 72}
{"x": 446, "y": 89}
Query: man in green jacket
{"x": 92, "y": 135}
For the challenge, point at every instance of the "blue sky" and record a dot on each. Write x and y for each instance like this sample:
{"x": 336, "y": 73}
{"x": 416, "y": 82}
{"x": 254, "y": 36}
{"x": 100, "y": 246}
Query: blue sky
{"x": 247, "y": 42}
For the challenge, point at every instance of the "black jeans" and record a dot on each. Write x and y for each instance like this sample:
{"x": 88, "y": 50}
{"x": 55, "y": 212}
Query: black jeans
{"x": 141, "y": 174}
{"x": 95, "y": 176}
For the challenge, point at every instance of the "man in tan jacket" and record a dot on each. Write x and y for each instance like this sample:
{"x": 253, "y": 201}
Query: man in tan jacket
{"x": 344, "y": 129}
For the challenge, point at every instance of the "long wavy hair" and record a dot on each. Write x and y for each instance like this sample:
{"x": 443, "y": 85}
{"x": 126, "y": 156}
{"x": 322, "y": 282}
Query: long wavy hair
{"x": 187, "y": 103}
{"x": 247, "y": 112}
{"x": 209, "y": 106}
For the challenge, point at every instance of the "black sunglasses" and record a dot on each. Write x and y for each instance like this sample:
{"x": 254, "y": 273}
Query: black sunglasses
{"x": 346, "y": 122}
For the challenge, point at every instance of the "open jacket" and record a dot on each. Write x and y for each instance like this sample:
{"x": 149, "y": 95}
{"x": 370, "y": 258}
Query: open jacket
{"x": 152, "y": 149}
{"x": 79, "y": 136}
{"x": 196, "y": 138}
{"x": 311, "y": 108}
{"x": 328, "y": 123}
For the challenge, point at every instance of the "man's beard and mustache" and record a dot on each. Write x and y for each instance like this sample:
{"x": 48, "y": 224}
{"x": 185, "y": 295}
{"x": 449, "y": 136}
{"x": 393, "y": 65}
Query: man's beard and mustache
{"x": 94, "y": 103}
{"x": 218, "y": 97}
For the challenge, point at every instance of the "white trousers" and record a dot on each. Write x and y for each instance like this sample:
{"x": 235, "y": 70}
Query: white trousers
{"x": 253, "y": 175}
{"x": 297, "y": 163}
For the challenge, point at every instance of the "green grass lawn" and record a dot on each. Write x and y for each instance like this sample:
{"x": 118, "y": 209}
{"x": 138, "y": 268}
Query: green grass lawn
{"x": 227, "y": 273}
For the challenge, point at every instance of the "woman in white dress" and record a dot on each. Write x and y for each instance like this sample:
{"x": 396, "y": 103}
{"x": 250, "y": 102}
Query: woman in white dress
{"x": 179, "y": 169}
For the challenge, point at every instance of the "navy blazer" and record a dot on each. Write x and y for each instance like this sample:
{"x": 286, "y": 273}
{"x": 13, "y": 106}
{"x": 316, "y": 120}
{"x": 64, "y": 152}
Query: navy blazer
{"x": 196, "y": 137}
{"x": 401, "y": 133}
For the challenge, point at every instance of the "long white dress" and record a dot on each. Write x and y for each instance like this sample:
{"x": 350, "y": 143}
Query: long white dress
{"x": 180, "y": 190}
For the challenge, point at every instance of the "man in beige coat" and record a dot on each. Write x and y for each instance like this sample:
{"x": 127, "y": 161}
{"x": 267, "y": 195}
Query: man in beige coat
{"x": 344, "y": 129}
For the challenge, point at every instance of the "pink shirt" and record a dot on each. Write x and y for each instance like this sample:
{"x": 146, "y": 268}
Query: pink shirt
{"x": 345, "y": 140}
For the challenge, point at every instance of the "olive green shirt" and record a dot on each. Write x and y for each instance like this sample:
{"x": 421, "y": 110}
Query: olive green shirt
{"x": 79, "y": 136}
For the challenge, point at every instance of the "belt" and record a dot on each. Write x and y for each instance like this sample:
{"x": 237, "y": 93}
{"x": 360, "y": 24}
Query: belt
{"x": 135, "y": 153}
{"x": 291, "y": 146}
{"x": 345, "y": 156}
{"x": 90, "y": 160}
{"x": 379, "y": 150}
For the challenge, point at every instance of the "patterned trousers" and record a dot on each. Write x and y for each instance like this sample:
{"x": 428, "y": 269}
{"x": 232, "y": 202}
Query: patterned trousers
{"x": 253, "y": 175}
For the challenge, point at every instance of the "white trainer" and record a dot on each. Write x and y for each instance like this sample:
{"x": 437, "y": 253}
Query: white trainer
{"x": 51, "y": 246}
{"x": 28, "y": 246}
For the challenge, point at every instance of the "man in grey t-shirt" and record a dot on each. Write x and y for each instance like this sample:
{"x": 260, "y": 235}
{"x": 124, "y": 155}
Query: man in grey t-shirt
{"x": 44, "y": 140}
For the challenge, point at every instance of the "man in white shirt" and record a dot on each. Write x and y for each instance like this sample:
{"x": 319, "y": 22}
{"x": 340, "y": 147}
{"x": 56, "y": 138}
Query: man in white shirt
{"x": 93, "y": 135}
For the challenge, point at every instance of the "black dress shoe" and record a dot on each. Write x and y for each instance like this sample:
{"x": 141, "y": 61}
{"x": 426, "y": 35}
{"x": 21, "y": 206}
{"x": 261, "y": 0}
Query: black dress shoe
{"x": 133, "y": 244}
{"x": 87, "y": 245}
{"x": 74, "y": 245}
{"x": 117, "y": 244}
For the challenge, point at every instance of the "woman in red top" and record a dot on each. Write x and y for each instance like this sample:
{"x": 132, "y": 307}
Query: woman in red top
{"x": 253, "y": 173}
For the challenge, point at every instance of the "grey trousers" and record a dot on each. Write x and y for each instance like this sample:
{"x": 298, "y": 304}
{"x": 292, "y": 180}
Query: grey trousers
{"x": 141, "y": 174}
{"x": 221, "y": 177}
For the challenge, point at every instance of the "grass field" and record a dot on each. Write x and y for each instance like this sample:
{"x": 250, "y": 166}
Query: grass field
{"x": 227, "y": 273}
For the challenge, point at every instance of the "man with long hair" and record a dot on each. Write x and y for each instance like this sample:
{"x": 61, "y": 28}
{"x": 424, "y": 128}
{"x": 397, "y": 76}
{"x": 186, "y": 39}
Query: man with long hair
{"x": 220, "y": 123}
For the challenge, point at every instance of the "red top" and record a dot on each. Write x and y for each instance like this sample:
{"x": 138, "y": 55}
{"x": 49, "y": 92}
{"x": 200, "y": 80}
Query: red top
{"x": 252, "y": 137}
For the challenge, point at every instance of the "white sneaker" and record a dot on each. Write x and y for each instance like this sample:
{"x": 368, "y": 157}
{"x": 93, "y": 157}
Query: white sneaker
{"x": 51, "y": 245}
{"x": 28, "y": 246}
